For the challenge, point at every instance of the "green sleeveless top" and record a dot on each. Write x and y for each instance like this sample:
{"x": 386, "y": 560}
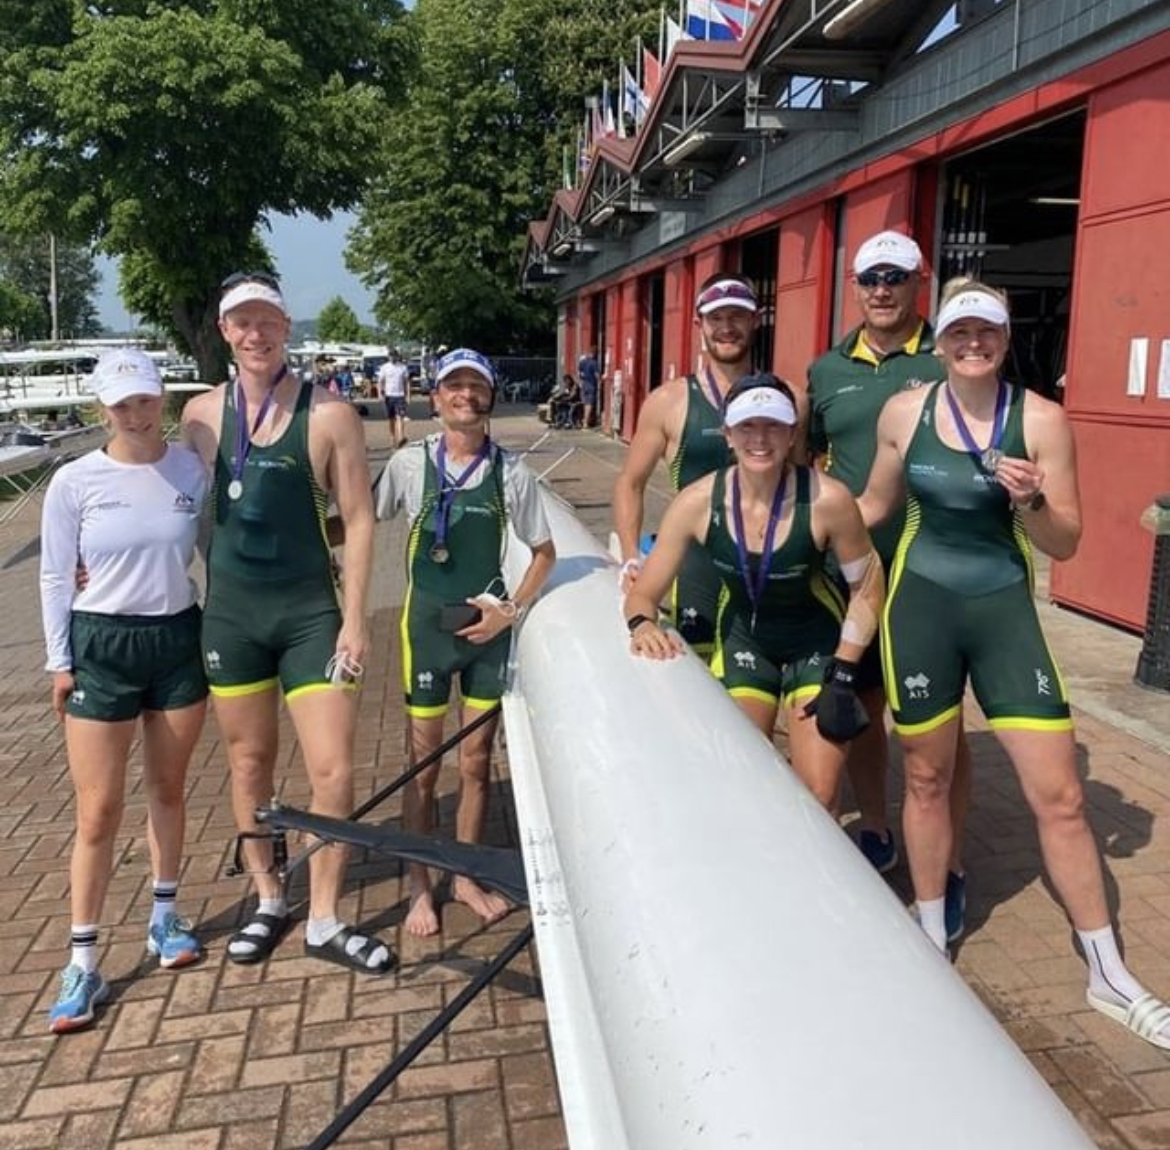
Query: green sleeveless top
{"x": 475, "y": 537}
{"x": 702, "y": 447}
{"x": 797, "y": 586}
{"x": 275, "y": 531}
{"x": 961, "y": 530}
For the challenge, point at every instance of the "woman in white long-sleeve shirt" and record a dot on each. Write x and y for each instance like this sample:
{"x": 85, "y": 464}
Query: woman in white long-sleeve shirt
{"x": 124, "y": 647}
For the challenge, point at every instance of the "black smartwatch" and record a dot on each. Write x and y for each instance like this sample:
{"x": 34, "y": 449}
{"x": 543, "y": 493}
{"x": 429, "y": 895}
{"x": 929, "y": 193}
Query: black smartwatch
{"x": 636, "y": 621}
{"x": 1036, "y": 503}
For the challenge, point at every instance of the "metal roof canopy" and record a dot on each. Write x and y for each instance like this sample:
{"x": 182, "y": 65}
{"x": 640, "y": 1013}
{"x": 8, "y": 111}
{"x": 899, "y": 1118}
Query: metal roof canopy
{"x": 727, "y": 111}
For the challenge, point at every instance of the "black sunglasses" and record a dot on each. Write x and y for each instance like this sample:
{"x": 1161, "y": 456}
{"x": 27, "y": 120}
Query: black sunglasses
{"x": 892, "y": 277}
{"x": 237, "y": 278}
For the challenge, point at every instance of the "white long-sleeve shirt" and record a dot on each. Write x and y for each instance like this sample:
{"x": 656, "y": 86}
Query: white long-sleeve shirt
{"x": 133, "y": 526}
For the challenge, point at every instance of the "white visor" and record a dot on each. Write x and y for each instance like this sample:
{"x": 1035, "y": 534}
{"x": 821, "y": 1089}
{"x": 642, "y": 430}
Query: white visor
{"x": 251, "y": 291}
{"x": 726, "y": 293}
{"x": 971, "y": 305}
{"x": 760, "y": 403}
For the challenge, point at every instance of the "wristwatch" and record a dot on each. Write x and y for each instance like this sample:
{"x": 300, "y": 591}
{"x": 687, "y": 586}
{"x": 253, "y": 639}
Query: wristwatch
{"x": 636, "y": 621}
{"x": 1035, "y": 503}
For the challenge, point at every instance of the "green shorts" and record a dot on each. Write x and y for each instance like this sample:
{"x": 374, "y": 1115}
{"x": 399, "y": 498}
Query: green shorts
{"x": 126, "y": 664}
{"x": 257, "y": 635}
{"x": 934, "y": 639}
{"x": 779, "y": 661}
{"x": 431, "y": 658}
{"x": 694, "y": 599}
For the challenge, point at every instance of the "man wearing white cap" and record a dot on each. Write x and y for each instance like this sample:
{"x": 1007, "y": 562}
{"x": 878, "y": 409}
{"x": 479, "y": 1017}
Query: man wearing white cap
{"x": 460, "y": 492}
{"x": 280, "y": 450}
{"x": 681, "y": 423}
{"x": 892, "y": 350}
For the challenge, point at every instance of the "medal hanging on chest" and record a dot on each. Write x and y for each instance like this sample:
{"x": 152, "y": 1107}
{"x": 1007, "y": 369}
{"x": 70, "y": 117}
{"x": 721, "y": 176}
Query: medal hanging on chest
{"x": 755, "y": 587}
{"x": 987, "y": 458}
{"x": 244, "y": 437}
{"x": 448, "y": 487}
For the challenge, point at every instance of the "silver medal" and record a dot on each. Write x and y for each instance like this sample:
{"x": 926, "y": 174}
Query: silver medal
{"x": 235, "y": 490}
{"x": 439, "y": 553}
{"x": 991, "y": 460}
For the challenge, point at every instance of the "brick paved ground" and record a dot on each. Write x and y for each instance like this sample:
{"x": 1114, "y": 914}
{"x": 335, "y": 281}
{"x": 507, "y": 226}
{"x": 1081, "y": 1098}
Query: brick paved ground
{"x": 224, "y": 1057}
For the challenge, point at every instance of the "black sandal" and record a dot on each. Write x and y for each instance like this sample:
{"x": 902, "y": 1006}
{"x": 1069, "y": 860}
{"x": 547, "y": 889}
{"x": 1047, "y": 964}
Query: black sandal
{"x": 338, "y": 949}
{"x": 262, "y": 944}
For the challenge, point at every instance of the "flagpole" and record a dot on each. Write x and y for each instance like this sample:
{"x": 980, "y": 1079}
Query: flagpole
{"x": 662, "y": 34}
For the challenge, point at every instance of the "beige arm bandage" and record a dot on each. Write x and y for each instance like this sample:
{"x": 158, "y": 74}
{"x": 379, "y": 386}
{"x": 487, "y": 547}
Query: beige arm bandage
{"x": 867, "y": 592}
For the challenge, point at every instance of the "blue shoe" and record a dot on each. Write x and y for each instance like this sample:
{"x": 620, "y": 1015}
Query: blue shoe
{"x": 956, "y": 905}
{"x": 880, "y": 850}
{"x": 80, "y": 993}
{"x": 173, "y": 943}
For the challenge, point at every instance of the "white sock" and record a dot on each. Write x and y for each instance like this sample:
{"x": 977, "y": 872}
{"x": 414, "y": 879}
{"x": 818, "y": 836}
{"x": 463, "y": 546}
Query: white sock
{"x": 319, "y": 931}
{"x": 164, "y": 901}
{"x": 1108, "y": 975}
{"x": 276, "y": 907}
{"x": 84, "y": 941}
{"x": 932, "y": 917}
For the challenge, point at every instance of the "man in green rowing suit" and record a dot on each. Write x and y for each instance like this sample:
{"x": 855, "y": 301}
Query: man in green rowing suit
{"x": 681, "y": 422}
{"x": 279, "y": 448}
{"x": 460, "y": 492}
{"x": 892, "y": 350}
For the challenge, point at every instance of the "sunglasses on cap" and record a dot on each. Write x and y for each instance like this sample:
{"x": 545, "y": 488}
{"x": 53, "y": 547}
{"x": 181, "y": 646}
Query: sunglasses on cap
{"x": 891, "y": 277}
{"x": 754, "y": 382}
{"x": 237, "y": 278}
{"x": 728, "y": 290}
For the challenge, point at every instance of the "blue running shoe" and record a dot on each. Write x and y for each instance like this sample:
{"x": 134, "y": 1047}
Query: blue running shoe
{"x": 173, "y": 943}
{"x": 80, "y": 993}
{"x": 880, "y": 850}
{"x": 956, "y": 905}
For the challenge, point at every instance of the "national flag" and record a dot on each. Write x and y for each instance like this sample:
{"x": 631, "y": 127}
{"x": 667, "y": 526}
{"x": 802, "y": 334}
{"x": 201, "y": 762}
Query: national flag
{"x": 738, "y": 14}
{"x": 609, "y": 127}
{"x": 674, "y": 33}
{"x": 651, "y": 75}
{"x": 706, "y": 21}
{"x": 634, "y": 102}
{"x": 567, "y": 181}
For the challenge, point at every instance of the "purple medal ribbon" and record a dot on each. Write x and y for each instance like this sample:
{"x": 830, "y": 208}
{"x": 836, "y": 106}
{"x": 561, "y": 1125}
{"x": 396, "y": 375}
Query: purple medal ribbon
{"x": 448, "y": 486}
{"x": 755, "y": 587}
{"x": 244, "y": 437}
{"x": 713, "y": 388}
{"x": 987, "y": 458}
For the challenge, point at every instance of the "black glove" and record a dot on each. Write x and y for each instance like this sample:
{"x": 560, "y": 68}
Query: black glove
{"x": 840, "y": 715}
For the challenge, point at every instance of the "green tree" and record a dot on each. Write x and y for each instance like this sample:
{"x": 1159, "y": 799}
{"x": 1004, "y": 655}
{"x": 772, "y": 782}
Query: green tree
{"x": 338, "y": 323}
{"x": 25, "y": 264}
{"x": 169, "y": 132}
{"x": 20, "y": 313}
{"x": 473, "y": 154}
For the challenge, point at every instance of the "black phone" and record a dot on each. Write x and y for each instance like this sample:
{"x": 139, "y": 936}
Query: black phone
{"x": 456, "y": 616}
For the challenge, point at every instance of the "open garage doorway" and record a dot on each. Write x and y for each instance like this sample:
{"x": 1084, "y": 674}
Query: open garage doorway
{"x": 757, "y": 258}
{"x": 1009, "y": 218}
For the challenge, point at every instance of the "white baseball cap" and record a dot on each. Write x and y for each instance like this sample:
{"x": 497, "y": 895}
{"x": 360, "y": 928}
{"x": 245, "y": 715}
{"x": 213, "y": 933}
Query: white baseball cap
{"x": 760, "y": 403}
{"x": 251, "y": 291}
{"x": 971, "y": 304}
{"x": 892, "y": 248}
{"x": 124, "y": 372}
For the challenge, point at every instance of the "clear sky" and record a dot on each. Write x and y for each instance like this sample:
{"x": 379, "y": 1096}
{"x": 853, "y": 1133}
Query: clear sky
{"x": 309, "y": 259}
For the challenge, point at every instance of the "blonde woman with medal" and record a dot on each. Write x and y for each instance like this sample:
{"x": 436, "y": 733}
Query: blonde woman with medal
{"x": 123, "y": 650}
{"x": 460, "y": 492}
{"x": 988, "y": 471}
{"x": 275, "y": 622}
{"x": 783, "y": 635}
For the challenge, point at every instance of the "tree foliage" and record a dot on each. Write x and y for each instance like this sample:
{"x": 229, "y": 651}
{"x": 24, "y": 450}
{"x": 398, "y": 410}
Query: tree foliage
{"x": 474, "y": 154}
{"x": 338, "y": 323}
{"x": 25, "y": 270}
{"x": 169, "y": 132}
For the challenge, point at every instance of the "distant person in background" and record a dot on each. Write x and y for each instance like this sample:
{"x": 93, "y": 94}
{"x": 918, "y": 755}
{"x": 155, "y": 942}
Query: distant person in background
{"x": 590, "y": 377}
{"x": 393, "y": 382}
{"x": 124, "y": 650}
{"x": 564, "y": 403}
